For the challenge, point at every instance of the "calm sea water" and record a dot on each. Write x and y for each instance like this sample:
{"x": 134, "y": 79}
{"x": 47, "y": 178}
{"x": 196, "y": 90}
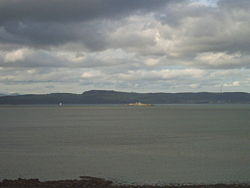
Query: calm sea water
{"x": 159, "y": 144}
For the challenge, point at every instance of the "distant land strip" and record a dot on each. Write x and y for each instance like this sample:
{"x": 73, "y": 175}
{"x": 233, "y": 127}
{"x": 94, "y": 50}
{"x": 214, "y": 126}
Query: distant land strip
{"x": 93, "y": 182}
{"x": 116, "y": 97}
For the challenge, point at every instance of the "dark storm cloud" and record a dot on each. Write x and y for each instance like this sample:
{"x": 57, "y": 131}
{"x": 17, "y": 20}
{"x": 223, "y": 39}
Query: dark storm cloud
{"x": 48, "y": 23}
{"x": 42, "y": 35}
{"x": 73, "y": 10}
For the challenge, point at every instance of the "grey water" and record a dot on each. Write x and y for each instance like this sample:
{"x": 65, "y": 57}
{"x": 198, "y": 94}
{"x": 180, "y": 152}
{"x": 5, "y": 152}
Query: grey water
{"x": 158, "y": 144}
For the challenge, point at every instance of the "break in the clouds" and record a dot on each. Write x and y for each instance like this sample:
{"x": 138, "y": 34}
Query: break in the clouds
{"x": 143, "y": 45}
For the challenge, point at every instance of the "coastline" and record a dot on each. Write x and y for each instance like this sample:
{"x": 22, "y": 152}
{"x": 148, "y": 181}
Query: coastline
{"x": 94, "y": 182}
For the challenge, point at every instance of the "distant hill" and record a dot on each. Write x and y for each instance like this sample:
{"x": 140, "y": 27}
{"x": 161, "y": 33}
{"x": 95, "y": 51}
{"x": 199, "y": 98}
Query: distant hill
{"x": 11, "y": 94}
{"x": 115, "y": 97}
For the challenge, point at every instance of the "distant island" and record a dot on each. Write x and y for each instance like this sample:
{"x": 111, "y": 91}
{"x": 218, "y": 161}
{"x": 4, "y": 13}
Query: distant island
{"x": 116, "y": 97}
{"x": 139, "y": 104}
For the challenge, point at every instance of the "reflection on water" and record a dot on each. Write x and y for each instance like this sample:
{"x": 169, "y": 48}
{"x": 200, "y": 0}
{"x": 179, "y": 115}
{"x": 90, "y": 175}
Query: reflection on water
{"x": 159, "y": 144}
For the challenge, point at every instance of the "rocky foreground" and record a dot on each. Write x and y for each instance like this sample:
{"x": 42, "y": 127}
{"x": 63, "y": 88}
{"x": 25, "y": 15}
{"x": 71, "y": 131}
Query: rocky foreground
{"x": 93, "y": 182}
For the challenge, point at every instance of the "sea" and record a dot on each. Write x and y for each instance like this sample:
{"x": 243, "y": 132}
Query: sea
{"x": 160, "y": 144}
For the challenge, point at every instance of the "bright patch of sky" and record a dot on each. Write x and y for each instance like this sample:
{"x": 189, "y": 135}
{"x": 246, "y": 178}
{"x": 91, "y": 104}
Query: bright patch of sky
{"x": 211, "y": 3}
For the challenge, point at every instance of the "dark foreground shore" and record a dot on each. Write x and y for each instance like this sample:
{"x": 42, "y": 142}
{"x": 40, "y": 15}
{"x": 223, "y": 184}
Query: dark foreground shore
{"x": 93, "y": 182}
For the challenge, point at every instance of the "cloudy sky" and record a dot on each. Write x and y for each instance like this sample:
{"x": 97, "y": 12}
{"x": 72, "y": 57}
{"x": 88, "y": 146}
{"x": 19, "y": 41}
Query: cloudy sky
{"x": 128, "y": 45}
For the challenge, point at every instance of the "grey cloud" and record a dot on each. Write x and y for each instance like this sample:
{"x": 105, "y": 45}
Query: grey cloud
{"x": 36, "y": 75}
{"x": 207, "y": 29}
{"x": 65, "y": 79}
{"x": 172, "y": 14}
{"x": 144, "y": 45}
{"x": 32, "y": 58}
{"x": 202, "y": 29}
{"x": 47, "y": 23}
{"x": 74, "y": 10}
{"x": 90, "y": 36}
{"x": 232, "y": 4}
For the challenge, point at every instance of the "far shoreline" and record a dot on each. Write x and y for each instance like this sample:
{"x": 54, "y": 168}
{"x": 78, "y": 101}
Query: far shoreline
{"x": 95, "y": 182}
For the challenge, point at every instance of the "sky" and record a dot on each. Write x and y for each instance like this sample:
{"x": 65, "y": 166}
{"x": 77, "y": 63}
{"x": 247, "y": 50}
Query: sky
{"x": 49, "y": 46}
